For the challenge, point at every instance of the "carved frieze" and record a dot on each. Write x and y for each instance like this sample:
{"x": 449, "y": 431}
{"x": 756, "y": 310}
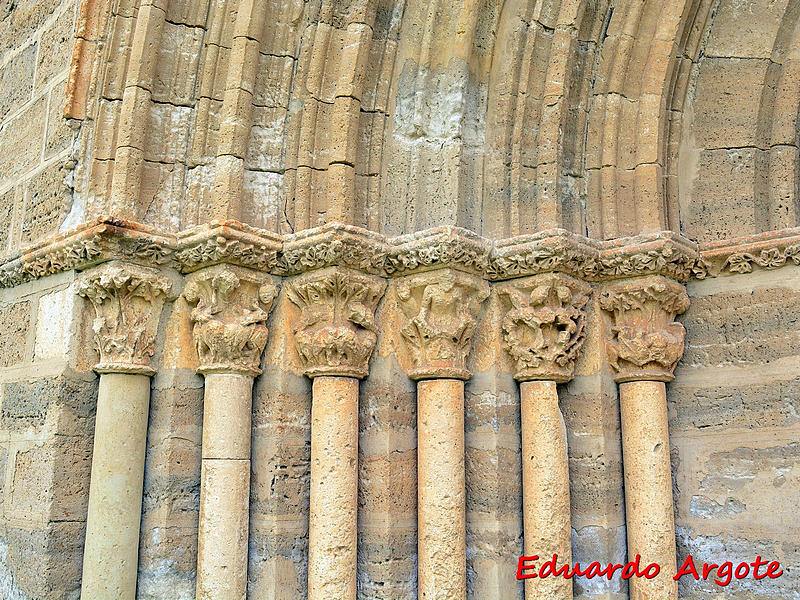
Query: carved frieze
{"x": 543, "y": 328}
{"x": 646, "y": 343}
{"x": 440, "y": 247}
{"x": 127, "y": 301}
{"x": 229, "y": 242}
{"x": 336, "y": 332}
{"x": 230, "y": 309}
{"x": 442, "y": 308}
{"x": 332, "y": 245}
{"x": 767, "y": 251}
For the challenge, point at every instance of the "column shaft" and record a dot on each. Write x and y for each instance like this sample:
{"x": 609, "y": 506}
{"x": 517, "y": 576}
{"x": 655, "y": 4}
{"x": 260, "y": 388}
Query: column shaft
{"x": 224, "y": 487}
{"x": 110, "y": 559}
{"x": 648, "y": 486}
{"x": 332, "y": 535}
{"x": 545, "y": 485}
{"x": 441, "y": 495}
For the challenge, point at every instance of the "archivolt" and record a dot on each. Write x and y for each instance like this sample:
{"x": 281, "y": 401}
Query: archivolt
{"x": 505, "y": 118}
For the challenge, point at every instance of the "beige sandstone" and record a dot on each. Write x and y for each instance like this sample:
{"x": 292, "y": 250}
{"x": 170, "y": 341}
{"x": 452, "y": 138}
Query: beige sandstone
{"x": 111, "y": 553}
{"x": 544, "y": 333}
{"x": 648, "y": 486}
{"x": 335, "y": 336}
{"x": 230, "y": 309}
{"x": 127, "y": 301}
{"x": 646, "y": 345}
{"x": 515, "y": 145}
{"x": 441, "y": 495}
{"x": 545, "y": 484}
{"x": 332, "y": 531}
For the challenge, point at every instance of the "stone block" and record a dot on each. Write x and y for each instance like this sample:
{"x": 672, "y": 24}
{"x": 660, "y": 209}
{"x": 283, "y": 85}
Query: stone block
{"x": 727, "y": 100}
{"x": 59, "y": 134}
{"x": 26, "y": 403}
{"x": 745, "y": 28}
{"x": 47, "y": 203}
{"x": 15, "y": 320}
{"x": 21, "y": 140}
{"x": 265, "y": 146}
{"x": 54, "y": 325}
{"x": 20, "y": 20}
{"x": 176, "y": 69}
{"x": 750, "y": 326}
{"x": 32, "y": 483}
{"x": 55, "y": 49}
{"x": 7, "y": 204}
{"x": 262, "y": 198}
{"x": 16, "y": 81}
{"x": 722, "y": 203}
{"x": 46, "y": 562}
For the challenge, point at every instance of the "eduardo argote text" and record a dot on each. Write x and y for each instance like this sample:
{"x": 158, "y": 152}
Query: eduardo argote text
{"x": 723, "y": 574}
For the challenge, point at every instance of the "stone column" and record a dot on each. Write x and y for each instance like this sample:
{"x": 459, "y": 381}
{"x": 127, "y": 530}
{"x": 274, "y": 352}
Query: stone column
{"x": 543, "y": 332}
{"x": 442, "y": 307}
{"x": 335, "y": 336}
{"x": 127, "y": 300}
{"x": 644, "y": 347}
{"x": 231, "y": 305}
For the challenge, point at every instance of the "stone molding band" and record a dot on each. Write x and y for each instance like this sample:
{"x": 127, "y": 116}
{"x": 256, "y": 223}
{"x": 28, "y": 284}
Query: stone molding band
{"x": 665, "y": 253}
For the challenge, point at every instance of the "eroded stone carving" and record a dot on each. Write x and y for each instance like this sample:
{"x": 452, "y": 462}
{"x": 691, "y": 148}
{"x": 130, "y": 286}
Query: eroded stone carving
{"x": 442, "y": 307}
{"x": 231, "y": 305}
{"x": 127, "y": 300}
{"x": 444, "y": 247}
{"x": 336, "y": 331}
{"x": 646, "y": 343}
{"x": 222, "y": 249}
{"x": 543, "y": 330}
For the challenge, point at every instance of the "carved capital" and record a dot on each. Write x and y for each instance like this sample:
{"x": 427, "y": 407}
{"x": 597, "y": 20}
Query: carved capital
{"x": 646, "y": 343}
{"x": 230, "y": 309}
{"x": 336, "y": 331}
{"x": 543, "y": 329}
{"x": 127, "y": 301}
{"x": 442, "y": 308}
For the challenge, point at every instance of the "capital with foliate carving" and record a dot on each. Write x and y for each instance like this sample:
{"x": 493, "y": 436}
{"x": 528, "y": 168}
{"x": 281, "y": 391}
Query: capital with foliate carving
{"x": 646, "y": 343}
{"x": 335, "y": 332}
{"x": 543, "y": 328}
{"x": 127, "y": 301}
{"x": 442, "y": 308}
{"x": 230, "y": 309}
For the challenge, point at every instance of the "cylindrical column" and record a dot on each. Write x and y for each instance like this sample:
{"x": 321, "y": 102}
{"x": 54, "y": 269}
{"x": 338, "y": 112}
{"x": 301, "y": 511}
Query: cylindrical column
{"x": 224, "y": 487}
{"x": 335, "y": 336}
{"x": 441, "y": 490}
{"x": 543, "y": 331}
{"x": 231, "y": 305}
{"x": 648, "y": 486}
{"x": 111, "y": 553}
{"x": 545, "y": 487}
{"x": 127, "y": 300}
{"x": 442, "y": 308}
{"x": 332, "y": 534}
{"x": 644, "y": 347}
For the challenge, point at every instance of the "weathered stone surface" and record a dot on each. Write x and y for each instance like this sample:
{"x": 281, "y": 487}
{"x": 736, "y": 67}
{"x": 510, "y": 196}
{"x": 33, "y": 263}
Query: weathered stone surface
{"x": 47, "y": 203}
{"x": 441, "y": 309}
{"x": 14, "y": 320}
{"x": 336, "y": 331}
{"x": 16, "y": 81}
{"x": 127, "y": 301}
{"x": 231, "y": 306}
{"x": 507, "y": 120}
{"x": 55, "y": 47}
{"x": 645, "y": 343}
